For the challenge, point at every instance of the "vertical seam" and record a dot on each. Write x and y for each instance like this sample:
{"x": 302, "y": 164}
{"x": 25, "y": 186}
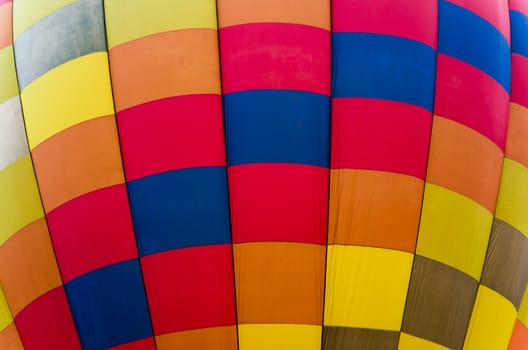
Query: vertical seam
{"x": 45, "y": 216}
{"x": 124, "y": 174}
{"x": 226, "y": 155}
{"x": 426, "y": 167}
{"x": 329, "y": 187}
{"x": 498, "y": 192}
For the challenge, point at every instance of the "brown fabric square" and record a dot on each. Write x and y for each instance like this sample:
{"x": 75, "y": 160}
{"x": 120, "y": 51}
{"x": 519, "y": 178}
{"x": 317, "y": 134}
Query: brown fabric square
{"x": 345, "y": 338}
{"x": 439, "y": 303}
{"x": 506, "y": 266}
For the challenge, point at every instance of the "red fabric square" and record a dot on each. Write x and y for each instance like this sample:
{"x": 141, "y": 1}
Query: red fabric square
{"x": 92, "y": 231}
{"x": 190, "y": 288}
{"x": 48, "y": 323}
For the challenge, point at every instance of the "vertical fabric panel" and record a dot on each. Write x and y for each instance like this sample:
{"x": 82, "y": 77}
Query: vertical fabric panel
{"x": 61, "y": 47}
{"x": 29, "y": 273}
{"x": 511, "y": 222}
{"x": 507, "y": 252}
{"x": 384, "y": 58}
{"x": 165, "y": 70}
{"x": 275, "y": 59}
{"x": 463, "y": 172}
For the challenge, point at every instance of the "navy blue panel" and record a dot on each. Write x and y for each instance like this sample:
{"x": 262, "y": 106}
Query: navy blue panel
{"x": 277, "y": 126}
{"x": 74, "y": 30}
{"x": 383, "y": 67}
{"x": 468, "y": 37}
{"x": 109, "y": 306}
{"x": 519, "y": 33}
{"x": 180, "y": 208}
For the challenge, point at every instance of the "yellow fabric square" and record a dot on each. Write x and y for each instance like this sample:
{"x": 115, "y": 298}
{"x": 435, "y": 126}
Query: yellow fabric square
{"x": 28, "y": 12}
{"x": 5, "y": 314}
{"x": 409, "y": 342}
{"x": 454, "y": 230}
{"x": 19, "y": 198}
{"x": 74, "y": 92}
{"x": 127, "y": 20}
{"x": 279, "y": 337}
{"x": 366, "y": 287}
{"x": 512, "y": 204}
{"x": 8, "y": 83}
{"x": 491, "y": 323}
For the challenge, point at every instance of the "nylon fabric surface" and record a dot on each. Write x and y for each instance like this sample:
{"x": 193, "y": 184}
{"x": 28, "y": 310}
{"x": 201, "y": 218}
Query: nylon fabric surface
{"x": 252, "y": 174}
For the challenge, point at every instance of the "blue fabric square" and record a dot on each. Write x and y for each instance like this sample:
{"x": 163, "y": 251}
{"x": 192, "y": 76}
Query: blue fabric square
{"x": 180, "y": 208}
{"x": 109, "y": 306}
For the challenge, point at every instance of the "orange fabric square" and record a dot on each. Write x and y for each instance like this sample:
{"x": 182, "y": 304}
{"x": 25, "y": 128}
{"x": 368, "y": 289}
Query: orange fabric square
{"x": 463, "y": 160}
{"x": 78, "y": 160}
{"x": 374, "y": 208}
{"x": 28, "y": 268}
{"x": 204, "y": 339}
{"x": 9, "y": 339}
{"x": 279, "y": 282}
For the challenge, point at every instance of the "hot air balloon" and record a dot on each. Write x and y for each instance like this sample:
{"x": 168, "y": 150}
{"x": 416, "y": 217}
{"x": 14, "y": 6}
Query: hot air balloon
{"x": 263, "y": 174}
